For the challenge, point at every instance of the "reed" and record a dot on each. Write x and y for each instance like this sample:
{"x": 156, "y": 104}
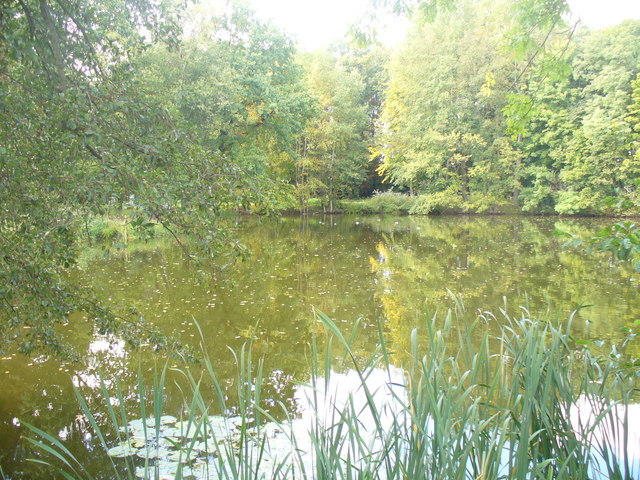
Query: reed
{"x": 527, "y": 403}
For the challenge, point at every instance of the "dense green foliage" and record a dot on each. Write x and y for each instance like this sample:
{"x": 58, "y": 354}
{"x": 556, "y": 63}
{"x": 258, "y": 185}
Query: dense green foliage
{"x": 137, "y": 117}
{"x": 582, "y": 148}
{"x": 333, "y": 149}
{"x": 171, "y": 115}
{"x": 453, "y": 131}
{"x": 77, "y": 135}
{"x": 443, "y": 135}
{"x": 111, "y": 107}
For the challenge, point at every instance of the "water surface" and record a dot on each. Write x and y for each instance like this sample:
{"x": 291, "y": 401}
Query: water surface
{"x": 391, "y": 270}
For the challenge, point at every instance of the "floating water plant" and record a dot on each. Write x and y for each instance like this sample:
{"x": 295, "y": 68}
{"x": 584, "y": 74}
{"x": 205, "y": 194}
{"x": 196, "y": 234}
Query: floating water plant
{"x": 122, "y": 450}
{"x": 194, "y": 446}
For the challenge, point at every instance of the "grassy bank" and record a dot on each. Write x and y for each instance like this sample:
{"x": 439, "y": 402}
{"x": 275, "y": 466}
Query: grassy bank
{"x": 122, "y": 230}
{"x": 529, "y": 403}
{"x": 441, "y": 203}
{"x": 395, "y": 203}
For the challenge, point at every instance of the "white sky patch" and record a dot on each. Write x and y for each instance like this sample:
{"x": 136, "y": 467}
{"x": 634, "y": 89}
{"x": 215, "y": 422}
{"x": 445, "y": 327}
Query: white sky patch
{"x": 598, "y": 14}
{"x": 315, "y": 24}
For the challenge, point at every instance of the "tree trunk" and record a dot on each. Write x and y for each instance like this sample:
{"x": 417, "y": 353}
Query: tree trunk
{"x": 516, "y": 189}
{"x": 56, "y": 45}
{"x": 464, "y": 179}
{"x": 333, "y": 161}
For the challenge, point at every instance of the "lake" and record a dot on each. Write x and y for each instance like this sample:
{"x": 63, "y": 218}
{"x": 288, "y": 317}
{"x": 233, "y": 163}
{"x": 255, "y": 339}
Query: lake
{"x": 391, "y": 270}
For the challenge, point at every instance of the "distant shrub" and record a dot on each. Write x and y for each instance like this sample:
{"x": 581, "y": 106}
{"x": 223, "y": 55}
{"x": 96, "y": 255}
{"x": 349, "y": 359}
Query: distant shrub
{"x": 105, "y": 230}
{"x": 439, "y": 202}
{"x": 356, "y": 207}
{"x": 380, "y": 202}
{"x": 481, "y": 202}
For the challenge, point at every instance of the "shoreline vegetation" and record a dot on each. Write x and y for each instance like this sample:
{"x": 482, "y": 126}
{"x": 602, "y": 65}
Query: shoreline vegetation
{"x": 393, "y": 203}
{"x": 126, "y": 122}
{"x": 182, "y": 113}
{"x": 119, "y": 230}
{"x": 531, "y": 402}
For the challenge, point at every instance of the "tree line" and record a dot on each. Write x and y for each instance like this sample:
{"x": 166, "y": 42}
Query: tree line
{"x": 468, "y": 127}
{"x": 177, "y": 114}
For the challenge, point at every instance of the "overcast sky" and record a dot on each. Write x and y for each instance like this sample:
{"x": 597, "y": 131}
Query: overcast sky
{"x": 315, "y": 23}
{"x": 605, "y": 13}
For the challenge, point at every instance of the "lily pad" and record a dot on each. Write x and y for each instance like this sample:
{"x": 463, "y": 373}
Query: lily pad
{"x": 219, "y": 427}
{"x": 190, "y": 430}
{"x": 168, "y": 442}
{"x": 183, "y": 456}
{"x": 164, "y": 420}
{"x": 122, "y": 450}
{"x": 163, "y": 474}
{"x": 170, "y": 432}
{"x": 203, "y": 470}
{"x": 138, "y": 442}
{"x": 153, "y": 452}
{"x": 209, "y": 446}
{"x": 136, "y": 424}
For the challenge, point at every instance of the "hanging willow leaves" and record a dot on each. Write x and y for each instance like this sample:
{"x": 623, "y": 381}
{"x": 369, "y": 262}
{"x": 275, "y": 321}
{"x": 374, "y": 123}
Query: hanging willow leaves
{"x": 93, "y": 122}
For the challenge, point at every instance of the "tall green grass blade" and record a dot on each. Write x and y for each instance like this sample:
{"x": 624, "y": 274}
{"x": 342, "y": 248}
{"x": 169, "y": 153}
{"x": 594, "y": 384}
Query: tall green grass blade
{"x": 94, "y": 425}
{"x": 59, "y": 471}
{"x": 63, "y": 454}
{"x": 467, "y": 405}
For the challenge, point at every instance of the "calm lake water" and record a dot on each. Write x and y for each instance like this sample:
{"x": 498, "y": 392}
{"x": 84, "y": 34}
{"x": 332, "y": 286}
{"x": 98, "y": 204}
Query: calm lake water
{"x": 373, "y": 269}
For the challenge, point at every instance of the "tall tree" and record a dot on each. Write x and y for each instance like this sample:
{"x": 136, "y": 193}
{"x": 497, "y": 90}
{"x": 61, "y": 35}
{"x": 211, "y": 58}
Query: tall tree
{"x": 83, "y": 130}
{"x": 581, "y": 149}
{"x": 370, "y": 63}
{"x": 74, "y": 134}
{"x": 334, "y": 152}
{"x": 238, "y": 93}
{"x": 600, "y": 163}
{"x": 443, "y": 132}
